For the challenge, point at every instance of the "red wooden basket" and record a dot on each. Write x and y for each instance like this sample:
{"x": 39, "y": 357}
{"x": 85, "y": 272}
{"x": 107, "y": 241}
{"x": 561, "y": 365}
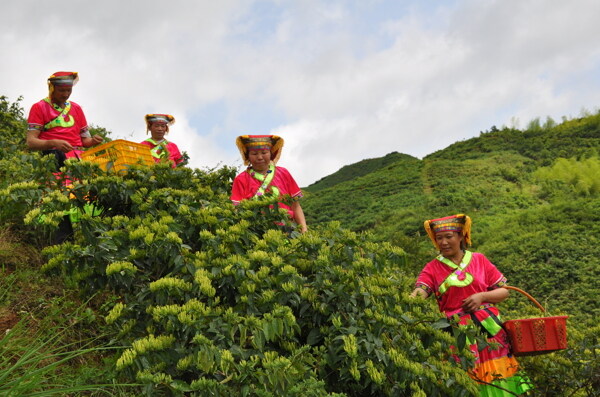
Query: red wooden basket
{"x": 533, "y": 336}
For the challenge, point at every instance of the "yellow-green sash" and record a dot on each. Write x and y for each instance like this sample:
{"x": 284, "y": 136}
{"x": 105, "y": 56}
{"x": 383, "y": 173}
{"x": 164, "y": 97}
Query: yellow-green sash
{"x": 454, "y": 279}
{"x": 157, "y": 147}
{"x": 60, "y": 120}
{"x": 266, "y": 181}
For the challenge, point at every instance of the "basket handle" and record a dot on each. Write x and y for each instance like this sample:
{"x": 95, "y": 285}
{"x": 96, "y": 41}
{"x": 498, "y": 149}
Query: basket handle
{"x": 531, "y": 298}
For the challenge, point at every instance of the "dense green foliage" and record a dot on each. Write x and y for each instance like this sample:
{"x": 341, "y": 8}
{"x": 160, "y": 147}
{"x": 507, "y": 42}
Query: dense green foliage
{"x": 206, "y": 298}
{"x": 534, "y": 199}
{"x": 202, "y": 298}
{"x": 213, "y": 299}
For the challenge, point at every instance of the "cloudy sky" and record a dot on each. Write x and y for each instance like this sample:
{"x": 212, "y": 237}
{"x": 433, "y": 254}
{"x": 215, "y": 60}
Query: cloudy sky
{"x": 341, "y": 81}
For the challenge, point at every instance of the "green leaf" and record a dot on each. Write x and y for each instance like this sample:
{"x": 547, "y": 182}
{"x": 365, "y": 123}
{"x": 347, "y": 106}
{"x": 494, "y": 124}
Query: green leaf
{"x": 461, "y": 340}
{"x": 441, "y": 323}
{"x": 314, "y": 337}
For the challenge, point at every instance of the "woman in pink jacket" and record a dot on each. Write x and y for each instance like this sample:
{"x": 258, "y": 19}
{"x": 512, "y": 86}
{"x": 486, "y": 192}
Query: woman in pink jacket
{"x": 161, "y": 149}
{"x": 263, "y": 178}
{"x": 466, "y": 284}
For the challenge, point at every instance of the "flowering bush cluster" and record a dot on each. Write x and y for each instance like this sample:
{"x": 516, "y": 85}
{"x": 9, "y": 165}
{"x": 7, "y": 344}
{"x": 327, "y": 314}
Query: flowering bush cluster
{"x": 217, "y": 300}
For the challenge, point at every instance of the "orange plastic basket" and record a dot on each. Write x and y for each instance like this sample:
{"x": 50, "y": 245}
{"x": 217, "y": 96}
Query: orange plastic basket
{"x": 118, "y": 155}
{"x": 533, "y": 336}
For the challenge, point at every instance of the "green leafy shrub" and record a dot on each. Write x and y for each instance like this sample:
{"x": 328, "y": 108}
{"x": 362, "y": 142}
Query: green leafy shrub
{"x": 218, "y": 299}
{"x": 567, "y": 176}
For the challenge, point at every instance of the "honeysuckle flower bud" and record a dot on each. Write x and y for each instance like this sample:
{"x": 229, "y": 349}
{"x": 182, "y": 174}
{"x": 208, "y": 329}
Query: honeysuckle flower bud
{"x": 122, "y": 268}
{"x": 115, "y": 313}
{"x": 170, "y": 283}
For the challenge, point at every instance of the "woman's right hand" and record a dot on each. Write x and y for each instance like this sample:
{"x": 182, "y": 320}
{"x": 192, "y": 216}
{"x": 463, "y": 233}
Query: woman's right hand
{"x": 35, "y": 143}
{"x": 61, "y": 145}
{"x": 472, "y": 303}
{"x": 418, "y": 292}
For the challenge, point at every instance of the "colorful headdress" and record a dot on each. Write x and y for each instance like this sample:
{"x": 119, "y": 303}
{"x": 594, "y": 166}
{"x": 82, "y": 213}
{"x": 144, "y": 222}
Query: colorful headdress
{"x": 160, "y": 118}
{"x": 245, "y": 143}
{"x": 459, "y": 223}
{"x": 62, "y": 78}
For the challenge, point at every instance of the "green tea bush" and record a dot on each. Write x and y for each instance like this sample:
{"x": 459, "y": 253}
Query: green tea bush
{"x": 571, "y": 176}
{"x": 219, "y": 300}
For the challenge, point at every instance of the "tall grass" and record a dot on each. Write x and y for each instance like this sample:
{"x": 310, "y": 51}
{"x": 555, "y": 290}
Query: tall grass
{"x": 44, "y": 364}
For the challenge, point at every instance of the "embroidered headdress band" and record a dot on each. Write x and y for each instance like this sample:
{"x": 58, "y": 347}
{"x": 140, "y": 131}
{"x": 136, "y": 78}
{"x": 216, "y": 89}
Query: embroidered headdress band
{"x": 164, "y": 118}
{"x": 245, "y": 143}
{"x": 61, "y": 78}
{"x": 459, "y": 223}
{"x": 159, "y": 118}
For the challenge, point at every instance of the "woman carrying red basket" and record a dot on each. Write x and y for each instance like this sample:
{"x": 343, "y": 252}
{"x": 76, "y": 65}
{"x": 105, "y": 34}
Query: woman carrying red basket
{"x": 468, "y": 285}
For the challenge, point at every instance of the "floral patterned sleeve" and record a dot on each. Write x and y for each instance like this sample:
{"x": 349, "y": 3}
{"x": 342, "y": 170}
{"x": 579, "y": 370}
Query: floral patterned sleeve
{"x": 426, "y": 279}
{"x": 425, "y": 288}
{"x": 499, "y": 284}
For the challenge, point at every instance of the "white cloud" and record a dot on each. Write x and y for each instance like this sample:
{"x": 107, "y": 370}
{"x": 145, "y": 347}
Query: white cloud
{"x": 341, "y": 81}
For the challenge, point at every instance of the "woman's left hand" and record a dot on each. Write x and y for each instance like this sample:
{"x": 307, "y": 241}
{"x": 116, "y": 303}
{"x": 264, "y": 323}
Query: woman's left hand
{"x": 473, "y": 302}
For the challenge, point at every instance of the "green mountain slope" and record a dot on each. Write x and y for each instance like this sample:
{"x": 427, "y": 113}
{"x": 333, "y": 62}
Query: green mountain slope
{"x": 356, "y": 170}
{"x": 354, "y": 202}
{"x": 494, "y": 165}
{"x": 527, "y": 221}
